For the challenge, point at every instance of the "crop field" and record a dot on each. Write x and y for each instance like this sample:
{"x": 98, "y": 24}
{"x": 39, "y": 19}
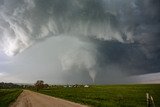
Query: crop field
{"x": 108, "y": 95}
{"x": 8, "y": 95}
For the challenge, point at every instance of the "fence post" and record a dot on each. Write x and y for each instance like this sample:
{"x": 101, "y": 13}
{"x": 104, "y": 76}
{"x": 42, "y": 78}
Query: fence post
{"x": 148, "y": 99}
{"x": 152, "y": 101}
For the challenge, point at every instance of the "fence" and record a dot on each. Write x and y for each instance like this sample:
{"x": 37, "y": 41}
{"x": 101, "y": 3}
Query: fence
{"x": 150, "y": 101}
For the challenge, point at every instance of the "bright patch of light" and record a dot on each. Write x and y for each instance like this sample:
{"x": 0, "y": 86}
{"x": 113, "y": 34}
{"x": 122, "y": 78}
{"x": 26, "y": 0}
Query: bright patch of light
{"x": 10, "y": 46}
{"x": 2, "y": 74}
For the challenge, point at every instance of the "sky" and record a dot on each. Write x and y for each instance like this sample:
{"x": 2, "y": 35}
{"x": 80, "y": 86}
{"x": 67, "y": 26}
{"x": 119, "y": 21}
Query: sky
{"x": 80, "y": 41}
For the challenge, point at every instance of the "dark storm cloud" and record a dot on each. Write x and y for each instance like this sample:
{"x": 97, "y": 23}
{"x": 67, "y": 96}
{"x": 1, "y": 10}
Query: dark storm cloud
{"x": 116, "y": 37}
{"x": 25, "y": 22}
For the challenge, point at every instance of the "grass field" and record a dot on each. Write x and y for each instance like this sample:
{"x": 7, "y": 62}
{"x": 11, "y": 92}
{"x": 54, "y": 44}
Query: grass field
{"x": 8, "y": 95}
{"x": 108, "y": 96}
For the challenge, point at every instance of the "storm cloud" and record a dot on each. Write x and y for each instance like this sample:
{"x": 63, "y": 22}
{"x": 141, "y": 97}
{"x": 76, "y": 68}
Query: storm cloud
{"x": 112, "y": 39}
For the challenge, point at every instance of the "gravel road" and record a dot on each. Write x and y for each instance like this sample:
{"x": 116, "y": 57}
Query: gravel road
{"x": 32, "y": 99}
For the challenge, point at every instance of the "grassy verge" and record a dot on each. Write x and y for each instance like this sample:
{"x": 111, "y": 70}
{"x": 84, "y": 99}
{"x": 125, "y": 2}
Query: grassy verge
{"x": 108, "y": 96}
{"x": 8, "y": 95}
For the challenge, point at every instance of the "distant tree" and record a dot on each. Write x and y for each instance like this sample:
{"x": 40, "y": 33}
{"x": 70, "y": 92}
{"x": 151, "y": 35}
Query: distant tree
{"x": 46, "y": 85}
{"x": 8, "y": 85}
{"x": 39, "y": 84}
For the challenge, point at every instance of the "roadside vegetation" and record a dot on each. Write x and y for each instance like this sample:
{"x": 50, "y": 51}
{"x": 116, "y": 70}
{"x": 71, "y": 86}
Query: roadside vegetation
{"x": 8, "y": 95}
{"x": 108, "y": 95}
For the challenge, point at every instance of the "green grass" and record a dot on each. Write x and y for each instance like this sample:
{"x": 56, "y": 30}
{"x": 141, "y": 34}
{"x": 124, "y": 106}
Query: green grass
{"x": 8, "y": 95}
{"x": 108, "y": 96}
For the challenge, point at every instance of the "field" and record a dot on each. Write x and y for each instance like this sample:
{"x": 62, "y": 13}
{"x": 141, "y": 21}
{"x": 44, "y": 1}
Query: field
{"x": 8, "y": 95}
{"x": 108, "y": 96}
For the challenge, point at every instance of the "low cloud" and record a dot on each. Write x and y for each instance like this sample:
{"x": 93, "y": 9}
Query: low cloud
{"x": 119, "y": 38}
{"x": 78, "y": 60}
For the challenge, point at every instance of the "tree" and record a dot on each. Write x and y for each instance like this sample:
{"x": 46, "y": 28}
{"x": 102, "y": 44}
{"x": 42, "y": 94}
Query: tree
{"x": 39, "y": 84}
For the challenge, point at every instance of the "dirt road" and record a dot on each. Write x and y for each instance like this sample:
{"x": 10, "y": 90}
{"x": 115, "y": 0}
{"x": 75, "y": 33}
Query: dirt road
{"x": 32, "y": 99}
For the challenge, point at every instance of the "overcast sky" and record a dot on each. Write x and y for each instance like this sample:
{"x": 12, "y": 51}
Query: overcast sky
{"x": 80, "y": 41}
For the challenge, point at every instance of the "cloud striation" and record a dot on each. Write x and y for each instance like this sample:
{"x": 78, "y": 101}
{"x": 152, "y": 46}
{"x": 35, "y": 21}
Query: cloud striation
{"x": 118, "y": 38}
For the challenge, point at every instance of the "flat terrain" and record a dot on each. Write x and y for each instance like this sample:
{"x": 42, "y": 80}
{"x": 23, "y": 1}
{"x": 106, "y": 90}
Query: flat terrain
{"x": 108, "y": 95}
{"x": 32, "y": 99}
{"x": 8, "y": 95}
{"x": 95, "y": 95}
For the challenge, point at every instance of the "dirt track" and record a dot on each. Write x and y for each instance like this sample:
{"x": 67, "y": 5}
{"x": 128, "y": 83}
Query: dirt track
{"x": 32, "y": 99}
